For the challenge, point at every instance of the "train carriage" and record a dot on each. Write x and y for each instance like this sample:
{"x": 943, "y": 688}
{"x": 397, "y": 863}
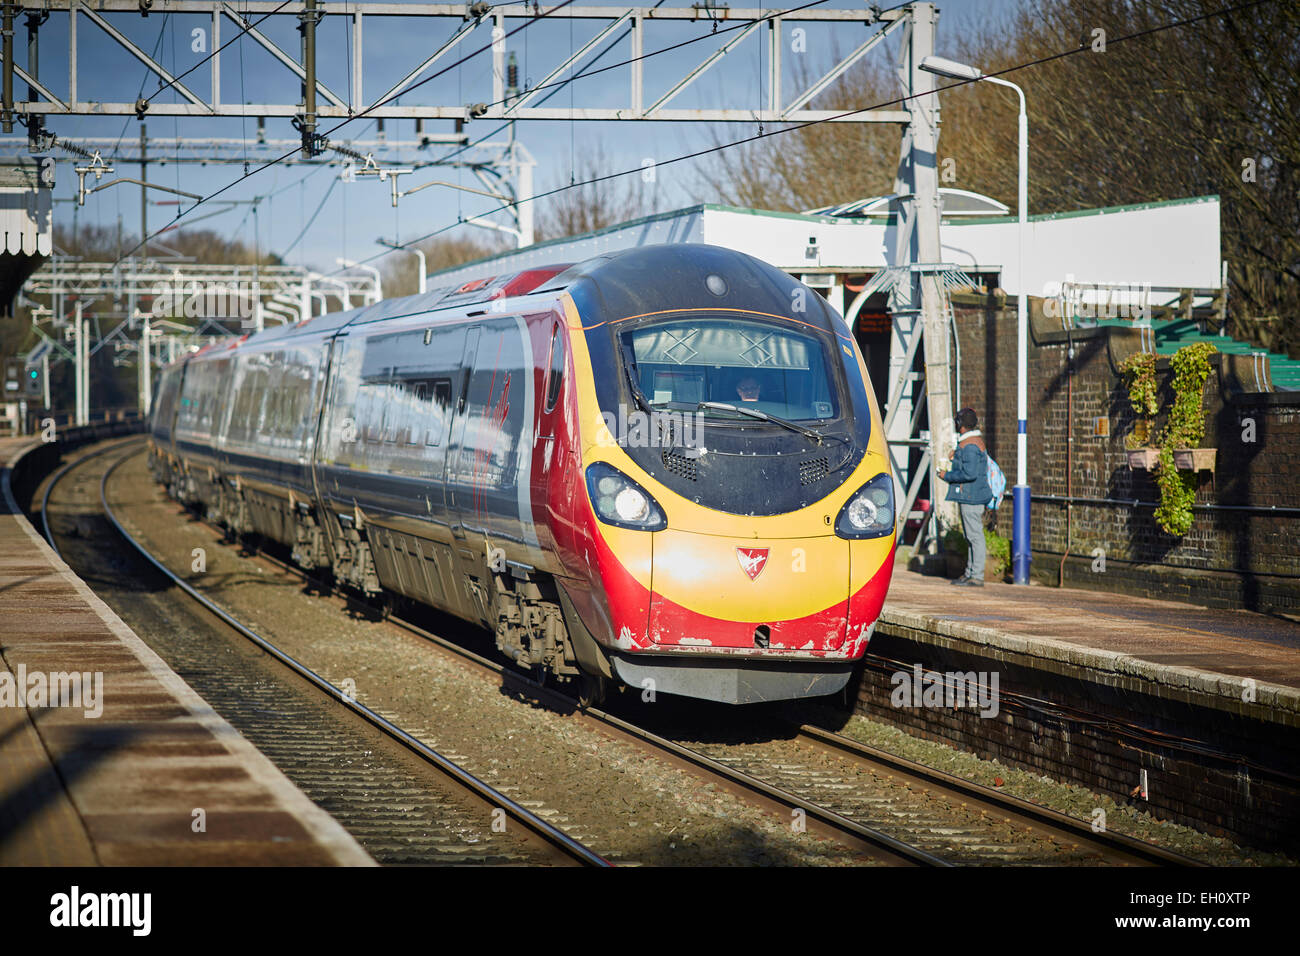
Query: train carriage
{"x": 662, "y": 467}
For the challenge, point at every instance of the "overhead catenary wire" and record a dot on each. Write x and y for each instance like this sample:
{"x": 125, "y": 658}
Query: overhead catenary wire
{"x": 237, "y": 37}
{"x": 558, "y": 84}
{"x": 794, "y": 127}
{"x": 766, "y": 134}
{"x": 554, "y": 89}
{"x": 279, "y": 159}
{"x": 321, "y": 205}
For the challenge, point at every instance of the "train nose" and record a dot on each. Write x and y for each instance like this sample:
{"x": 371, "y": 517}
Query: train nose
{"x": 731, "y": 592}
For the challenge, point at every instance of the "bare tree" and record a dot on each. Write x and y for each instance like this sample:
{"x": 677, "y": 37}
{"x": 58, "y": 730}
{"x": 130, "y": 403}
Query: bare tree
{"x": 814, "y": 165}
{"x": 1210, "y": 107}
{"x": 106, "y": 244}
{"x": 592, "y": 197}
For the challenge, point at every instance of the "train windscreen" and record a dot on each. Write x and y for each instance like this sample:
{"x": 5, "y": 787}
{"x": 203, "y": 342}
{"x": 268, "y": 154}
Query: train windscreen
{"x": 751, "y": 364}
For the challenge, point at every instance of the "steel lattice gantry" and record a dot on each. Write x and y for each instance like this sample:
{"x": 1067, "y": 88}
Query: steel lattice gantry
{"x": 917, "y": 298}
{"x": 166, "y": 305}
{"x": 484, "y": 22}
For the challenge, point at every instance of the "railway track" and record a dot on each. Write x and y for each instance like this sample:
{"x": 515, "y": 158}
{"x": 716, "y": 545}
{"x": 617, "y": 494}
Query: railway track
{"x": 890, "y": 810}
{"x": 961, "y": 821}
{"x": 868, "y": 845}
{"x": 846, "y": 787}
{"x": 406, "y": 803}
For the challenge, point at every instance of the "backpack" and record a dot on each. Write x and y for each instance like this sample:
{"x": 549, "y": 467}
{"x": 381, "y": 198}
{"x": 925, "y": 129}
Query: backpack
{"x": 997, "y": 485}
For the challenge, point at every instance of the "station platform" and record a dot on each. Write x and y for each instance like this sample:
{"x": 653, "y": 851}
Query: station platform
{"x": 127, "y": 765}
{"x": 1164, "y": 648}
{"x": 1173, "y": 712}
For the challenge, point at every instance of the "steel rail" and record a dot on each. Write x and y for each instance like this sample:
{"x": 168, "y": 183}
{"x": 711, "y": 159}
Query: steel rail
{"x": 58, "y": 475}
{"x": 1029, "y": 814}
{"x": 1022, "y": 811}
{"x": 892, "y": 850}
{"x": 896, "y": 850}
{"x": 1000, "y": 802}
{"x": 541, "y": 828}
{"x": 993, "y": 800}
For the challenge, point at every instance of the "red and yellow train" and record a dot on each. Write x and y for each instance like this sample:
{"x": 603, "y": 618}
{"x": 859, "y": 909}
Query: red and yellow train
{"x": 663, "y": 466}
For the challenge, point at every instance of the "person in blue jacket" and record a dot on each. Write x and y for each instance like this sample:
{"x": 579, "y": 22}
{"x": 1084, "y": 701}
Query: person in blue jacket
{"x": 968, "y": 485}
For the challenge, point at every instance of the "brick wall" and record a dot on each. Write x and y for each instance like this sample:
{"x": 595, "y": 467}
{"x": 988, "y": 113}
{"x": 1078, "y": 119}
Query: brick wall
{"x": 1229, "y": 774}
{"x": 1229, "y": 558}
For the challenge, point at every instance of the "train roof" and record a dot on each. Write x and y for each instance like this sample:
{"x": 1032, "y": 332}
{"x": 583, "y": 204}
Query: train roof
{"x": 447, "y": 297}
{"x": 671, "y": 277}
{"x": 611, "y": 284}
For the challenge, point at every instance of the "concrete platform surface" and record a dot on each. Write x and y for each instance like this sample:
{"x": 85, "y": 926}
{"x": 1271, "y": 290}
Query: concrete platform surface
{"x": 1239, "y": 657}
{"x": 108, "y": 757}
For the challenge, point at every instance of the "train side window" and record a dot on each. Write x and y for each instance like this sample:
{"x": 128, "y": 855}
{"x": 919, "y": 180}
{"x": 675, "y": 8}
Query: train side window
{"x": 440, "y": 393}
{"x": 387, "y": 423}
{"x": 555, "y": 371}
{"x": 412, "y": 409}
{"x": 365, "y": 414}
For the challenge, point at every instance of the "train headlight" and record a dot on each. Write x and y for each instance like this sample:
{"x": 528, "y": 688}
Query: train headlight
{"x": 620, "y": 501}
{"x": 870, "y": 512}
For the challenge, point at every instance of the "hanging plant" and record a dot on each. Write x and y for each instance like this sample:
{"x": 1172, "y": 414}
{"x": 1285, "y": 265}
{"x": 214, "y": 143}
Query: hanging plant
{"x": 1186, "y": 425}
{"x": 1177, "y": 495}
{"x": 1184, "y": 430}
{"x": 1139, "y": 371}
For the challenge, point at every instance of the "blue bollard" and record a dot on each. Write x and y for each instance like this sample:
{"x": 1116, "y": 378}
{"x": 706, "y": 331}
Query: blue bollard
{"x": 1020, "y": 534}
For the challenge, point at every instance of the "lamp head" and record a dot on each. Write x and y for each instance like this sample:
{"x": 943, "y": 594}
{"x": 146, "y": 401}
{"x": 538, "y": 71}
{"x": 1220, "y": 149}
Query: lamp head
{"x": 951, "y": 68}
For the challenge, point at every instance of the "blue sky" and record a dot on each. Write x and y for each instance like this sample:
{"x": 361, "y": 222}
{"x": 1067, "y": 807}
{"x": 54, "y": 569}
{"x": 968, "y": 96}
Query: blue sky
{"x": 356, "y": 213}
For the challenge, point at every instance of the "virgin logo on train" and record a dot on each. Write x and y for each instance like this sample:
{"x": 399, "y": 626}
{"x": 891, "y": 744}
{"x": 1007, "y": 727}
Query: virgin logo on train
{"x": 752, "y": 561}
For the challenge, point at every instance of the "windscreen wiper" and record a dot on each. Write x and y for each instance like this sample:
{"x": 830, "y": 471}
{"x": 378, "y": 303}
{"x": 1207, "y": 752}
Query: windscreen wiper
{"x": 765, "y": 417}
{"x": 629, "y": 366}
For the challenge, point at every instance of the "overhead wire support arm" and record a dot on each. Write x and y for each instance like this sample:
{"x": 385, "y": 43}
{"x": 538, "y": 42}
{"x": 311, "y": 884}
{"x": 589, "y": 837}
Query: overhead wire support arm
{"x": 83, "y": 192}
{"x": 468, "y": 189}
{"x": 389, "y": 174}
{"x": 370, "y": 168}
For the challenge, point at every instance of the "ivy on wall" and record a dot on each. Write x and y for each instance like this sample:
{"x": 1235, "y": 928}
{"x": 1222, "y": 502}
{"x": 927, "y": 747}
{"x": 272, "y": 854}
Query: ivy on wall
{"x": 1139, "y": 371}
{"x": 1184, "y": 429}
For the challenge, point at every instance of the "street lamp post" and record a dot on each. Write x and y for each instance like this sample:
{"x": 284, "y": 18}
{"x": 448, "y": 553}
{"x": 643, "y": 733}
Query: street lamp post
{"x": 424, "y": 268}
{"x": 1020, "y": 493}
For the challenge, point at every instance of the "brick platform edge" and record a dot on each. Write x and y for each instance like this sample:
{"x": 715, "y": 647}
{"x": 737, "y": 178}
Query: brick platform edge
{"x": 1214, "y": 760}
{"x": 323, "y": 829}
